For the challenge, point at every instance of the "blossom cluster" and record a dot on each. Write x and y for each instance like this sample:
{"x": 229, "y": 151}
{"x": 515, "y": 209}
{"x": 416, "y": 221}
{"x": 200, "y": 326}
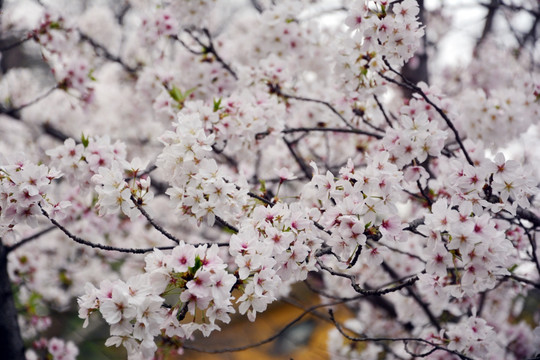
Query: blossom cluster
{"x": 24, "y": 187}
{"x": 198, "y": 187}
{"x": 54, "y": 348}
{"x": 97, "y": 162}
{"x": 192, "y": 279}
{"x": 414, "y": 137}
{"x": 290, "y": 150}
{"x": 379, "y": 33}
{"x": 274, "y": 248}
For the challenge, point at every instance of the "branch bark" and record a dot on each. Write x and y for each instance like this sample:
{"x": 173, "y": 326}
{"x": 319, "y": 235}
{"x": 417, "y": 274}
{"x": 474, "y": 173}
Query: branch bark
{"x": 11, "y": 345}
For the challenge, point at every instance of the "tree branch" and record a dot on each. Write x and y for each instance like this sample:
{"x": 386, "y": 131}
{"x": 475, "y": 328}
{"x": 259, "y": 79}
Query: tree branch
{"x": 404, "y": 340}
{"x": 210, "y": 49}
{"x": 98, "y": 48}
{"x": 407, "y": 84}
{"x": 152, "y": 222}
{"x": 299, "y": 160}
{"x": 276, "y": 89}
{"x": 29, "y": 238}
{"x": 82, "y": 241}
{"x": 366, "y": 292}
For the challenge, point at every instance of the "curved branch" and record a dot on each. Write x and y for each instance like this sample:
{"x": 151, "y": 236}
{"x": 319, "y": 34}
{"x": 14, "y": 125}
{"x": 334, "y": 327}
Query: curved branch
{"x": 152, "y": 222}
{"x": 299, "y": 160}
{"x": 425, "y": 307}
{"x": 98, "y": 48}
{"x": 366, "y": 292}
{"x": 16, "y": 43}
{"x": 82, "y": 241}
{"x": 276, "y": 89}
{"x": 271, "y": 338}
{"x": 522, "y": 280}
{"x": 404, "y": 340}
{"x": 13, "y": 111}
{"x": 340, "y": 130}
{"x": 383, "y": 111}
{"x": 29, "y": 238}
{"x": 409, "y": 85}
{"x": 210, "y": 49}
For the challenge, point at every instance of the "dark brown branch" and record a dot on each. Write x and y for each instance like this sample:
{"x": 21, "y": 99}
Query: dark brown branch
{"x": 29, "y": 238}
{"x": 405, "y": 253}
{"x": 522, "y": 280}
{"x": 82, "y": 241}
{"x": 271, "y": 338}
{"x": 46, "y": 127}
{"x": 529, "y": 216}
{"x": 516, "y": 8}
{"x": 407, "y": 84}
{"x": 15, "y": 44}
{"x": 210, "y": 49}
{"x": 532, "y": 241}
{"x": 382, "y": 110}
{"x": 299, "y": 160}
{"x": 194, "y": 52}
{"x": 11, "y": 345}
{"x": 488, "y": 23}
{"x": 433, "y": 320}
{"x": 152, "y": 222}
{"x": 225, "y": 224}
{"x": 254, "y": 196}
{"x": 14, "y": 111}
{"x": 425, "y": 194}
{"x": 230, "y": 160}
{"x": 276, "y": 89}
{"x": 103, "y": 51}
{"x": 54, "y": 132}
{"x": 340, "y": 130}
{"x": 404, "y": 340}
{"x": 366, "y": 292}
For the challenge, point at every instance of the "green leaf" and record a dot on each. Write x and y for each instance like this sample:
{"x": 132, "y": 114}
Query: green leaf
{"x": 217, "y": 104}
{"x": 179, "y": 96}
{"x": 176, "y": 94}
{"x": 91, "y": 76}
{"x": 189, "y": 92}
{"x": 85, "y": 140}
{"x": 197, "y": 266}
{"x": 262, "y": 189}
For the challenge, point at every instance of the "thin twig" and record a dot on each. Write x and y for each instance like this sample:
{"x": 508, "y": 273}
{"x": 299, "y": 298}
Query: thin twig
{"x": 299, "y": 160}
{"x": 424, "y": 193}
{"x": 276, "y": 89}
{"x": 13, "y": 111}
{"x": 16, "y": 43}
{"x": 383, "y": 111}
{"x": 194, "y": 52}
{"x": 152, "y": 221}
{"x": 409, "y": 85}
{"x": 523, "y": 280}
{"x": 339, "y": 130}
{"x": 366, "y": 292}
{"x": 226, "y": 224}
{"x": 414, "y": 295}
{"x": 363, "y": 339}
{"x": 29, "y": 238}
{"x": 98, "y": 246}
{"x": 210, "y": 49}
{"x": 271, "y": 338}
{"x": 98, "y": 48}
